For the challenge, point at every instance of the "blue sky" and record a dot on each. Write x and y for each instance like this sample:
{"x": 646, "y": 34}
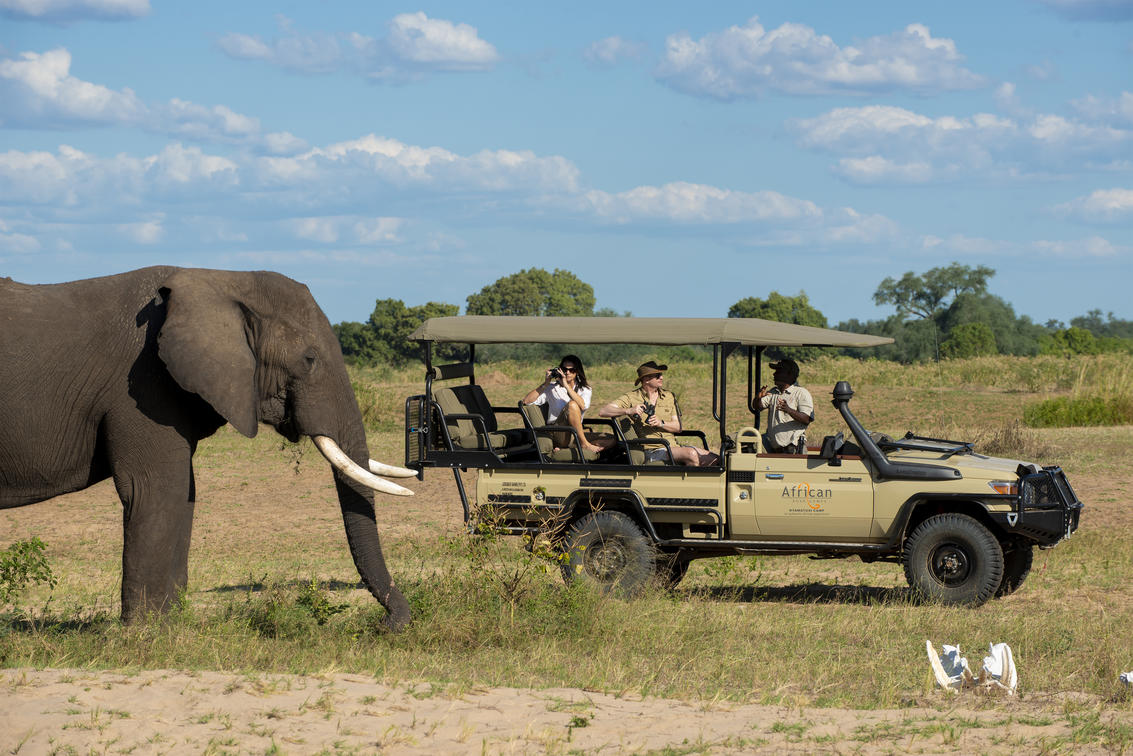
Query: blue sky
{"x": 676, "y": 156}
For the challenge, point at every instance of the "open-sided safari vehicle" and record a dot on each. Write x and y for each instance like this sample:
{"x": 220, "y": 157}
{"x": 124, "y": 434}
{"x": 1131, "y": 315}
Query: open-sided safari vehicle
{"x": 962, "y": 524}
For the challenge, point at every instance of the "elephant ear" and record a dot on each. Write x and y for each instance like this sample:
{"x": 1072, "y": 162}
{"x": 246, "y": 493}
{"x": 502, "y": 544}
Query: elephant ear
{"x": 206, "y": 344}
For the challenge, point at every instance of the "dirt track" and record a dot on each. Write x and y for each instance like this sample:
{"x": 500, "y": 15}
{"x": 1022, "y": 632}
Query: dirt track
{"x": 179, "y": 713}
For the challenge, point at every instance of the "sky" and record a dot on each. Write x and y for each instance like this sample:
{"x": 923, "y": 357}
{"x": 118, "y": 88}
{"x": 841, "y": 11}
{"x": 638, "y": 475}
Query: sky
{"x": 678, "y": 157}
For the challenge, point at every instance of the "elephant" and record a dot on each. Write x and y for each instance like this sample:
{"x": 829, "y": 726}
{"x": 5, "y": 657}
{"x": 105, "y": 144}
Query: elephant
{"x": 121, "y": 376}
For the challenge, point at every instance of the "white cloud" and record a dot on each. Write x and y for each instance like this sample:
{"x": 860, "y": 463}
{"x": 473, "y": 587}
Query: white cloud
{"x": 1114, "y": 111}
{"x": 983, "y": 249}
{"x": 38, "y": 91}
{"x": 401, "y": 164}
{"x": 748, "y": 61}
{"x": 68, "y": 11}
{"x": 682, "y": 202}
{"x": 969, "y": 246}
{"x": 143, "y": 232}
{"x": 414, "y": 45}
{"x": 782, "y": 220}
{"x": 378, "y": 230}
{"x": 1102, "y": 205}
{"x": 440, "y": 44}
{"x": 1093, "y": 246}
{"x": 875, "y": 169}
{"x": 326, "y": 196}
{"x": 890, "y": 144}
{"x": 72, "y": 181}
{"x": 307, "y": 53}
{"x": 323, "y": 230}
{"x": 610, "y": 51}
{"x": 13, "y": 242}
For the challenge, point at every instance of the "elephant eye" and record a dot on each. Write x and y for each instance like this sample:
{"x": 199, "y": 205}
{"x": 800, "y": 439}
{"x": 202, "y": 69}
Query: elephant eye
{"x": 310, "y": 360}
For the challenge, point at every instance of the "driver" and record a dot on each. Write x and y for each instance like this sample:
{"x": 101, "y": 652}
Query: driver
{"x": 791, "y": 410}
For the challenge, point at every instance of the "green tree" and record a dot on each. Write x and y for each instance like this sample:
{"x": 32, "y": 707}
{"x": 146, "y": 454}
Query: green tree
{"x": 534, "y": 292}
{"x": 913, "y": 340}
{"x": 384, "y": 338}
{"x": 1068, "y": 342}
{"x": 359, "y": 346}
{"x": 1013, "y": 334}
{"x": 969, "y": 340}
{"x": 783, "y": 309}
{"x": 1110, "y": 327}
{"x": 925, "y": 296}
{"x": 779, "y": 308}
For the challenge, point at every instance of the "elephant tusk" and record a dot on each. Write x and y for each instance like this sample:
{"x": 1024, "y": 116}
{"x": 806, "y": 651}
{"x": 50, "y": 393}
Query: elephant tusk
{"x": 393, "y": 471}
{"x": 337, "y": 457}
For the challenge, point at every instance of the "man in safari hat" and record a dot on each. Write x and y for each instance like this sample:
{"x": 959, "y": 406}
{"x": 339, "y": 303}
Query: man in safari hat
{"x": 791, "y": 410}
{"x": 656, "y": 415}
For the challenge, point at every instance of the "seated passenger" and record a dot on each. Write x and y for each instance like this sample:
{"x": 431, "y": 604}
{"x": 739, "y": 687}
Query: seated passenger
{"x": 655, "y": 414}
{"x": 791, "y": 410}
{"x": 566, "y": 393}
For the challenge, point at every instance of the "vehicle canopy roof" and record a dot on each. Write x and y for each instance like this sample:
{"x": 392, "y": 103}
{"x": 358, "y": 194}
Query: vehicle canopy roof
{"x": 501, "y": 329}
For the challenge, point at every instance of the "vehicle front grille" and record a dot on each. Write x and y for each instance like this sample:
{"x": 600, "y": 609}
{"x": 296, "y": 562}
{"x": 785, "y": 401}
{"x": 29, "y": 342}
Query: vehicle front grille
{"x": 1049, "y": 508}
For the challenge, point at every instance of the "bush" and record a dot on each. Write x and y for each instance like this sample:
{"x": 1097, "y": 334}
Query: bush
{"x": 969, "y": 340}
{"x": 1078, "y": 411}
{"x": 22, "y": 564}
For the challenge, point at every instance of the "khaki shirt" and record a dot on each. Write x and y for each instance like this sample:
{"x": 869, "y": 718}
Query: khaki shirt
{"x": 782, "y": 429}
{"x": 666, "y": 409}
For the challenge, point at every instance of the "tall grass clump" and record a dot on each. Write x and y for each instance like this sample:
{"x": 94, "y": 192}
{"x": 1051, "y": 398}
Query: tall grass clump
{"x": 1068, "y": 411}
{"x": 1094, "y": 400}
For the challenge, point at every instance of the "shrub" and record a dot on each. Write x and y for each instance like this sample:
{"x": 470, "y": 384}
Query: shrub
{"x": 22, "y": 564}
{"x": 969, "y": 340}
{"x": 1076, "y": 411}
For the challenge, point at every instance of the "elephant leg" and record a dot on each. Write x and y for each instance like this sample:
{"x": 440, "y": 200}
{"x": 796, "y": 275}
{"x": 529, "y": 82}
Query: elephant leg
{"x": 157, "y": 521}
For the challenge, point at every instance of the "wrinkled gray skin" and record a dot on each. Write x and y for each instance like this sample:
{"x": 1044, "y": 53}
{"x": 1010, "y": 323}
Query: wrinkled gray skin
{"x": 122, "y": 376}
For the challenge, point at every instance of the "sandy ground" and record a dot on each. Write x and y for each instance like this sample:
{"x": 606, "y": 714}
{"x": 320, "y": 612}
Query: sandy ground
{"x": 164, "y": 712}
{"x": 176, "y": 712}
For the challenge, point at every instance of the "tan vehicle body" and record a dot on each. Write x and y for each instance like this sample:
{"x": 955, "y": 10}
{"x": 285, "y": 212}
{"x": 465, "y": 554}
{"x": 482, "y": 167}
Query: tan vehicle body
{"x": 962, "y": 524}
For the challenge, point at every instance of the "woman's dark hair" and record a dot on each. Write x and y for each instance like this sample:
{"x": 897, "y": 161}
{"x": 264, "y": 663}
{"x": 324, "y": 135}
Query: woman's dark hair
{"x": 579, "y": 377}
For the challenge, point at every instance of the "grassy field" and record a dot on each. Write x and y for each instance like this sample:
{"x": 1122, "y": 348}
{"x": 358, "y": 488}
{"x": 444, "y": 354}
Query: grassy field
{"x": 272, "y": 588}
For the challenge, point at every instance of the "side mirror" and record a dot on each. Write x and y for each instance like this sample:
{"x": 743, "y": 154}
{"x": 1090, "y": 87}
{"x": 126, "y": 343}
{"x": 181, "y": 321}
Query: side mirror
{"x": 831, "y": 446}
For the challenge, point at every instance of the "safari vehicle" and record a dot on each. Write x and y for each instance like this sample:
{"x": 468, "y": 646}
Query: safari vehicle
{"x": 962, "y": 524}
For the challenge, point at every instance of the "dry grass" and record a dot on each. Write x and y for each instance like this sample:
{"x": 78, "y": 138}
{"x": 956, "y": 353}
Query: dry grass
{"x": 782, "y": 630}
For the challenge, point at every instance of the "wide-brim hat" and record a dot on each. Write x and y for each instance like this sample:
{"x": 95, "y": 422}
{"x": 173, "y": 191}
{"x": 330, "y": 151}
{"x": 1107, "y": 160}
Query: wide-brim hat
{"x": 649, "y": 368}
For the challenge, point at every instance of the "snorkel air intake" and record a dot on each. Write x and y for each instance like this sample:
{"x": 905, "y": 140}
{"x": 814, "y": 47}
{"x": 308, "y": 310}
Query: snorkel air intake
{"x": 885, "y": 469}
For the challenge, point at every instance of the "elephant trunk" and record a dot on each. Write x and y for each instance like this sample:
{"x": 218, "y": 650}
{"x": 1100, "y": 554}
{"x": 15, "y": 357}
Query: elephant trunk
{"x": 357, "y": 505}
{"x": 366, "y": 549}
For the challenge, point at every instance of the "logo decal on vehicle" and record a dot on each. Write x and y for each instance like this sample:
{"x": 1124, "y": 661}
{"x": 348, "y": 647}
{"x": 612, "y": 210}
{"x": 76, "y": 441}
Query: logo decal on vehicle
{"x": 808, "y": 493}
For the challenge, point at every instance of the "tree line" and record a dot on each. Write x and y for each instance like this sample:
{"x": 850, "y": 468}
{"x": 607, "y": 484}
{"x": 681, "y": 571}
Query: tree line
{"x": 943, "y": 313}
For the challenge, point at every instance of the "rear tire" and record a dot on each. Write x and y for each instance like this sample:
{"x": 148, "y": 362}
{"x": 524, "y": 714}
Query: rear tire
{"x": 953, "y": 559}
{"x": 609, "y": 551}
{"x": 1017, "y": 562}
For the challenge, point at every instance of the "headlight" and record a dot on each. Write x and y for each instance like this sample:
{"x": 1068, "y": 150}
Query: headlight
{"x": 1005, "y": 487}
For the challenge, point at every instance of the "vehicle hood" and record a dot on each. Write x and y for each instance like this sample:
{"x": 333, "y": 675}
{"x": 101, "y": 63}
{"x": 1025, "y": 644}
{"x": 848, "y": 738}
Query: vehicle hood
{"x": 971, "y": 465}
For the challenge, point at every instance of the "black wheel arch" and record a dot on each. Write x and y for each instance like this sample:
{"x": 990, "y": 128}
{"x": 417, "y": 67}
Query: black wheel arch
{"x": 920, "y": 507}
{"x": 582, "y": 502}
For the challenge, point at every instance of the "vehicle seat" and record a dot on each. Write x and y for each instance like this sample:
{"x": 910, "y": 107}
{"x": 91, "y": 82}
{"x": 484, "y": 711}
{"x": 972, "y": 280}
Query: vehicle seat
{"x": 459, "y": 403}
{"x": 550, "y": 436}
{"x": 636, "y": 445}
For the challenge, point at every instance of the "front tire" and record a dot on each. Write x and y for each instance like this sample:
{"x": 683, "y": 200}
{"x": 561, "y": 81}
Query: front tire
{"x": 1017, "y": 562}
{"x": 953, "y": 559}
{"x": 608, "y": 550}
